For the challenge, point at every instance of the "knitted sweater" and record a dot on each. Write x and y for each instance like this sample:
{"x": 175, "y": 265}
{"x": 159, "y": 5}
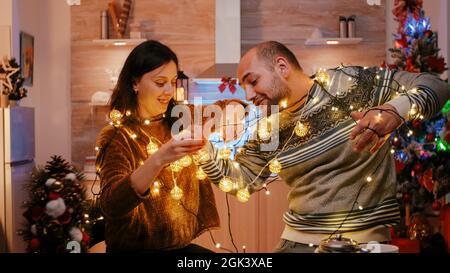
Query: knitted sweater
{"x": 153, "y": 221}
{"x": 325, "y": 174}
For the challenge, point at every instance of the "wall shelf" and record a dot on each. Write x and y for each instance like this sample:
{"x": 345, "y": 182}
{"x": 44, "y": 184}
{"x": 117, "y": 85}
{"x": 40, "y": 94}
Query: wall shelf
{"x": 333, "y": 41}
{"x": 118, "y": 42}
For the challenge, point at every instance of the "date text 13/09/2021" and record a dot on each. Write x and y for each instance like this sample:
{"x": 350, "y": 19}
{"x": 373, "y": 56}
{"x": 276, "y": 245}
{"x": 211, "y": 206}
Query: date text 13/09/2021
{"x": 232, "y": 262}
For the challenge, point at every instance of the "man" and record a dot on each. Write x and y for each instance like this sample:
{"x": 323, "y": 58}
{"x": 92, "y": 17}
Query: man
{"x": 339, "y": 165}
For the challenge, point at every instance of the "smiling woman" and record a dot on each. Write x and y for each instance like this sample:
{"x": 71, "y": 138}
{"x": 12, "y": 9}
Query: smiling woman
{"x": 150, "y": 195}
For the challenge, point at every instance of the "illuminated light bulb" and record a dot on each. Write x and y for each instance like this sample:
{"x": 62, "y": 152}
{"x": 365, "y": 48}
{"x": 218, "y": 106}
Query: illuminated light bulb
{"x": 141, "y": 162}
{"x": 100, "y": 218}
{"x": 201, "y": 156}
{"x": 369, "y": 179}
{"x": 200, "y": 174}
{"x": 128, "y": 113}
{"x": 111, "y": 123}
{"x": 87, "y": 222}
{"x": 226, "y": 184}
{"x": 283, "y": 103}
{"x": 379, "y": 115}
{"x": 337, "y": 93}
{"x": 186, "y": 161}
{"x": 155, "y": 191}
{"x": 421, "y": 117}
{"x": 264, "y": 129}
{"x": 414, "y": 90}
{"x": 351, "y": 107}
{"x": 218, "y": 245}
{"x": 349, "y": 78}
{"x": 224, "y": 153}
{"x": 403, "y": 88}
{"x": 275, "y": 166}
{"x": 397, "y": 93}
{"x": 378, "y": 77}
{"x": 360, "y": 208}
{"x": 157, "y": 184}
{"x": 243, "y": 195}
{"x": 147, "y": 122}
{"x": 244, "y": 247}
{"x": 267, "y": 192}
{"x": 133, "y": 136}
{"x": 86, "y": 215}
{"x": 315, "y": 100}
{"x": 365, "y": 67}
{"x": 97, "y": 148}
{"x": 395, "y": 139}
{"x": 310, "y": 244}
{"x": 264, "y": 185}
{"x": 176, "y": 193}
{"x": 301, "y": 129}
{"x": 392, "y": 151}
{"x": 176, "y": 166}
{"x": 236, "y": 164}
{"x": 335, "y": 109}
{"x": 322, "y": 77}
{"x": 410, "y": 132}
{"x": 152, "y": 148}
{"x": 115, "y": 115}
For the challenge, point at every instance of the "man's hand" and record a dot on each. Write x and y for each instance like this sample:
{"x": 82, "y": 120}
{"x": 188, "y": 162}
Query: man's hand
{"x": 374, "y": 127}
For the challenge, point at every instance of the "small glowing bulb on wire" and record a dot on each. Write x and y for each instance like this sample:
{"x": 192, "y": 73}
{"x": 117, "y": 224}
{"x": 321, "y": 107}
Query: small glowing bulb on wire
{"x": 186, "y": 161}
{"x": 202, "y": 156}
{"x": 218, "y": 245}
{"x": 378, "y": 77}
{"x": 176, "y": 166}
{"x": 369, "y": 179}
{"x": 395, "y": 139}
{"x": 115, "y": 115}
{"x": 351, "y": 107}
{"x": 155, "y": 191}
{"x": 200, "y": 174}
{"x": 133, "y": 136}
{"x": 243, "y": 195}
{"x": 310, "y": 244}
{"x": 403, "y": 88}
{"x": 176, "y": 193}
{"x": 224, "y": 153}
{"x": 147, "y": 122}
{"x": 392, "y": 151}
{"x": 360, "y": 208}
{"x": 349, "y": 78}
{"x": 283, "y": 104}
{"x": 226, "y": 184}
{"x": 86, "y": 215}
{"x": 152, "y": 148}
{"x": 421, "y": 117}
{"x": 275, "y": 166}
{"x": 322, "y": 77}
{"x": 301, "y": 129}
{"x": 379, "y": 115}
{"x": 128, "y": 113}
{"x": 264, "y": 129}
{"x": 141, "y": 162}
{"x": 243, "y": 248}
{"x": 267, "y": 192}
{"x": 157, "y": 184}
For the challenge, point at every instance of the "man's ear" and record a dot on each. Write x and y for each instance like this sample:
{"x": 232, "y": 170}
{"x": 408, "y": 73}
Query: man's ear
{"x": 282, "y": 66}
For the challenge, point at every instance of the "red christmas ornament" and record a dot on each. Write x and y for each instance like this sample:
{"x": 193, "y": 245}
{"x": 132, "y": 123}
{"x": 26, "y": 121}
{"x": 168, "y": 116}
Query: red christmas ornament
{"x": 417, "y": 123}
{"x": 65, "y": 218}
{"x": 86, "y": 238}
{"x": 429, "y": 137}
{"x": 54, "y": 196}
{"x": 427, "y": 180}
{"x": 35, "y": 243}
{"x": 428, "y": 33}
{"x": 436, "y": 205}
{"x": 36, "y": 213}
{"x": 436, "y": 64}
{"x": 399, "y": 166}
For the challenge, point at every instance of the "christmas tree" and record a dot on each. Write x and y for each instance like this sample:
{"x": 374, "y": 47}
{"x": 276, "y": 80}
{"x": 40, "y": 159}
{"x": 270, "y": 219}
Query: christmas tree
{"x": 421, "y": 149}
{"x": 57, "y": 219}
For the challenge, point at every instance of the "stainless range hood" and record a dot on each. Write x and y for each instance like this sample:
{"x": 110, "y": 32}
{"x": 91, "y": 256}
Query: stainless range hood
{"x": 228, "y": 42}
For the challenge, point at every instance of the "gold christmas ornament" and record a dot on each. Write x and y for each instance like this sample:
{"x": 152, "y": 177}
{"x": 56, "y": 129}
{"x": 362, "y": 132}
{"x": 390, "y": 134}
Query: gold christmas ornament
{"x": 152, "y": 147}
{"x": 176, "y": 193}
{"x": 226, "y": 184}
{"x": 275, "y": 166}
{"x": 200, "y": 174}
{"x": 243, "y": 195}
{"x": 301, "y": 129}
{"x": 224, "y": 153}
{"x": 57, "y": 186}
{"x": 115, "y": 116}
{"x": 322, "y": 77}
{"x": 176, "y": 166}
{"x": 185, "y": 161}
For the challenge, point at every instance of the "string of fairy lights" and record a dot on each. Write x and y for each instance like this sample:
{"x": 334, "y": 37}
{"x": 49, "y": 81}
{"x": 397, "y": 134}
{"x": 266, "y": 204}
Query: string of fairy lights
{"x": 228, "y": 184}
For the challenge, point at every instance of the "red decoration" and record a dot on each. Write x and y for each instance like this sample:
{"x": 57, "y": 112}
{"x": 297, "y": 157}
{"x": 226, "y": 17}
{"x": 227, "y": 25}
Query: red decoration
{"x": 436, "y": 205}
{"x": 54, "y": 196}
{"x": 37, "y": 212}
{"x": 35, "y": 243}
{"x": 417, "y": 167}
{"x": 86, "y": 238}
{"x": 436, "y": 64}
{"x": 427, "y": 180}
{"x": 429, "y": 137}
{"x": 399, "y": 166}
{"x": 417, "y": 123}
{"x": 406, "y": 245}
{"x": 230, "y": 82}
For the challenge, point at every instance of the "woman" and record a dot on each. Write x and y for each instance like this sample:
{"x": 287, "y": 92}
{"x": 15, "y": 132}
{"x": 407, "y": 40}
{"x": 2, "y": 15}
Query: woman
{"x": 148, "y": 205}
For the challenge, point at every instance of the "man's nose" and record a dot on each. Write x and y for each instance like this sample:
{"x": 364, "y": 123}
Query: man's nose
{"x": 250, "y": 94}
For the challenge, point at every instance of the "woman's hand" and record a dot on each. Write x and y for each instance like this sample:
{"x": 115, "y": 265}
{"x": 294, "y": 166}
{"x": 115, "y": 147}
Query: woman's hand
{"x": 175, "y": 149}
{"x": 374, "y": 127}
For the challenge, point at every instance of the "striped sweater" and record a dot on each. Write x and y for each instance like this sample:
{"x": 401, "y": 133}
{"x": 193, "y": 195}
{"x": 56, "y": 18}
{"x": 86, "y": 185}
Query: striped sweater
{"x": 325, "y": 174}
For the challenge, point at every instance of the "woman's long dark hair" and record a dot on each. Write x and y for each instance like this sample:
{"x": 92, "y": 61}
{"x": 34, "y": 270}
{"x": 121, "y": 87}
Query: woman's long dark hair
{"x": 144, "y": 58}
